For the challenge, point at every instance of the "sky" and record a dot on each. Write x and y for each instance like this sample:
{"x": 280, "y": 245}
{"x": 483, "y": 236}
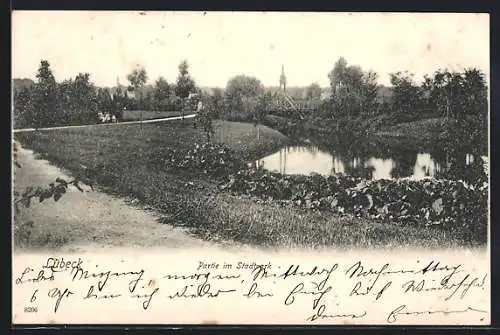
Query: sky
{"x": 219, "y": 45}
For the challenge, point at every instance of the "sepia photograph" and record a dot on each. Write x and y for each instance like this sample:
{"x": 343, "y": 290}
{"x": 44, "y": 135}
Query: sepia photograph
{"x": 182, "y": 167}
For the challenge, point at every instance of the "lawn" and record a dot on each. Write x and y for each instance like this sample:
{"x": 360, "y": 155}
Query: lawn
{"x": 126, "y": 160}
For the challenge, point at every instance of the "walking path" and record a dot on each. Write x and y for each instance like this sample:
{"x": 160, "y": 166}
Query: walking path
{"x": 108, "y": 124}
{"x": 90, "y": 219}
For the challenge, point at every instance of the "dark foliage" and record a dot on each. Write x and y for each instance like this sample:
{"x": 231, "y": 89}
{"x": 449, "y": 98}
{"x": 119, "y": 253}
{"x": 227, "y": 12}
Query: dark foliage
{"x": 208, "y": 158}
{"x": 427, "y": 202}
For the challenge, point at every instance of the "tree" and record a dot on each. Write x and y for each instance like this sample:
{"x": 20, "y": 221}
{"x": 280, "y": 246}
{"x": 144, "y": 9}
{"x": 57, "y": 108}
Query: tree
{"x": 406, "y": 98}
{"x": 442, "y": 92}
{"x": 149, "y": 103}
{"x": 467, "y": 96}
{"x": 337, "y": 74}
{"x": 369, "y": 91}
{"x": 455, "y": 94}
{"x": 242, "y": 92}
{"x": 477, "y": 92}
{"x": 476, "y": 103}
{"x": 343, "y": 75}
{"x": 65, "y": 103}
{"x": 119, "y": 102}
{"x": 205, "y": 116}
{"x": 446, "y": 93}
{"x": 44, "y": 97}
{"x": 264, "y": 102}
{"x": 161, "y": 93}
{"x": 220, "y": 109}
{"x": 313, "y": 91}
{"x": 185, "y": 85}
{"x": 137, "y": 78}
{"x": 84, "y": 98}
{"x": 105, "y": 101}
{"x": 354, "y": 91}
{"x": 23, "y": 107}
{"x": 244, "y": 86}
{"x": 218, "y": 102}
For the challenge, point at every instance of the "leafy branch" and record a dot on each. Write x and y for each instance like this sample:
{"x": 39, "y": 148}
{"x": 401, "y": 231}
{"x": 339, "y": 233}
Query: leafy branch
{"x": 55, "y": 191}
{"x": 22, "y": 230}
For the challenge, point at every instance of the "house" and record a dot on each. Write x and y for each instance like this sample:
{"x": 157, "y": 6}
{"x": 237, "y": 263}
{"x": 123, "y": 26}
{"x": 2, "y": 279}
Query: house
{"x": 207, "y": 90}
{"x": 326, "y": 94}
{"x": 131, "y": 94}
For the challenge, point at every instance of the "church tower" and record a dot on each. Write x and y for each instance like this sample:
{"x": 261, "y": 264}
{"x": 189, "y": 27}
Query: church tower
{"x": 283, "y": 78}
{"x": 117, "y": 92}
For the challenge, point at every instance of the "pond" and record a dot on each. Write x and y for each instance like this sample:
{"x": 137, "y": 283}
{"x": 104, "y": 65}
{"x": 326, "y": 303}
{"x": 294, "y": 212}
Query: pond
{"x": 370, "y": 159}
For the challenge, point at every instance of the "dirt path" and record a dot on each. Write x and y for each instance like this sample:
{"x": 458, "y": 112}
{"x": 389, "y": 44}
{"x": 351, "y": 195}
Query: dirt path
{"x": 81, "y": 221}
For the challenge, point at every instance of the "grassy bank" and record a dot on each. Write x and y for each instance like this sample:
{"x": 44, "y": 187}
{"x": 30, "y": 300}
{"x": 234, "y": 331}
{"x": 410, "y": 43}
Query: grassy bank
{"x": 129, "y": 160}
{"x": 383, "y": 126}
{"x": 428, "y": 129}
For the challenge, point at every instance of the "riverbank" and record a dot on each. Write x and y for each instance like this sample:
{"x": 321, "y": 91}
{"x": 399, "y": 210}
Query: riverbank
{"x": 466, "y": 132}
{"x": 129, "y": 160}
{"x": 384, "y": 126}
{"x": 428, "y": 129}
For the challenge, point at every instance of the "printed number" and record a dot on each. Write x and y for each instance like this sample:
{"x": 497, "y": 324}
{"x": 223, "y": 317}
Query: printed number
{"x": 30, "y": 309}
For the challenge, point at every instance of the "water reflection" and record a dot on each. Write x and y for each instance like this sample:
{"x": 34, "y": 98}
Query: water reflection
{"x": 338, "y": 165}
{"x": 425, "y": 166}
{"x": 300, "y": 160}
{"x": 380, "y": 168}
{"x": 376, "y": 161}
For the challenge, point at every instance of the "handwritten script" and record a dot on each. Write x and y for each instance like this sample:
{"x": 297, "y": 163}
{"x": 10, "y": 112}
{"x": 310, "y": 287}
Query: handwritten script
{"x": 345, "y": 292}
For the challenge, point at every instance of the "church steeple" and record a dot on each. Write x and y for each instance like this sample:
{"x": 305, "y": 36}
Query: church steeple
{"x": 283, "y": 78}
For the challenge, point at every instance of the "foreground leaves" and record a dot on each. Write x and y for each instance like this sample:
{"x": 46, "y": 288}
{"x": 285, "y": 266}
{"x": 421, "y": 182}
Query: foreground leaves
{"x": 425, "y": 202}
{"x": 55, "y": 191}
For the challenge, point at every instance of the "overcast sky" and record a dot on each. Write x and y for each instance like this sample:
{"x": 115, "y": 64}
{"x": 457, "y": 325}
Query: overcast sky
{"x": 219, "y": 45}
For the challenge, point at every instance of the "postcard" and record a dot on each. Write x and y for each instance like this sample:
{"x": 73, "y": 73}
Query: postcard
{"x": 240, "y": 168}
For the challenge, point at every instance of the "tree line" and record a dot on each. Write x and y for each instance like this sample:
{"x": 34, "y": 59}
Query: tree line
{"x": 354, "y": 100}
{"x": 354, "y": 104}
{"x": 444, "y": 93}
{"x": 77, "y": 101}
